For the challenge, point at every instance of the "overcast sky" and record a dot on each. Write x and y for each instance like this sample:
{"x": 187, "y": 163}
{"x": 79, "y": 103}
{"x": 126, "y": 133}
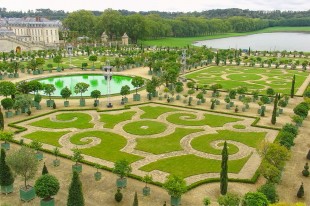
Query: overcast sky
{"x": 159, "y": 5}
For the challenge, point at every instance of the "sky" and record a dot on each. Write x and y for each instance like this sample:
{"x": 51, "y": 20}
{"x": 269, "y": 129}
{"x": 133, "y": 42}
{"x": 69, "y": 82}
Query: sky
{"x": 151, "y": 5}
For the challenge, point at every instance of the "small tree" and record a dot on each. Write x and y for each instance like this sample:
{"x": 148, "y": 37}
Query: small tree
{"x": 81, "y": 87}
{"x": 7, "y": 103}
{"x": 147, "y": 179}
{"x": 65, "y": 93}
{"x": 7, "y": 88}
{"x": 175, "y": 186}
{"x": 224, "y": 170}
{"x": 229, "y": 199}
{"x": 305, "y": 172}
{"x": 137, "y": 82}
{"x": 293, "y": 87}
{"x": 93, "y": 58}
{"x": 1, "y": 121}
{"x": 49, "y": 89}
{"x": 46, "y": 186}
{"x": 125, "y": 90}
{"x": 6, "y": 176}
{"x": 56, "y": 152}
{"x": 95, "y": 94}
{"x": 301, "y": 191}
{"x": 24, "y": 163}
{"x": 44, "y": 170}
{"x": 75, "y": 197}
{"x": 135, "y": 200}
{"x": 122, "y": 168}
{"x": 57, "y": 60}
{"x": 77, "y": 156}
{"x": 36, "y": 145}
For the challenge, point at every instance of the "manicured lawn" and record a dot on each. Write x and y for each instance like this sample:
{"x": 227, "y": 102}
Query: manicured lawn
{"x": 108, "y": 149}
{"x": 50, "y": 138}
{"x": 189, "y": 165}
{"x": 153, "y": 112}
{"x": 252, "y": 78}
{"x": 239, "y": 126}
{"x": 209, "y": 119}
{"x": 164, "y": 144}
{"x": 251, "y": 139}
{"x": 145, "y": 127}
{"x": 81, "y": 122}
{"x": 110, "y": 120}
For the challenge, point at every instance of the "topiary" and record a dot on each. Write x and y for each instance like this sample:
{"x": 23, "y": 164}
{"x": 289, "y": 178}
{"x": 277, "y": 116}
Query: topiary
{"x": 46, "y": 186}
{"x": 1, "y": 121}
{"x": 6, "y": 175}
{"x": 75, "y": 197}
{"x": 269, "y": 190}
{"x": 54, "y": 105}
{"x": 44, "y": 170}
{"x": 308, "y": 155}
{"x": 305, "y": 172}
{"x": 301, "y": 191}
{"x": 135, "y": 200}
{"x": 118, "y": 196}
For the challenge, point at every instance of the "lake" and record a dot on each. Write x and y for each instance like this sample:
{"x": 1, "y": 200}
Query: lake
{"x": 290, "y": 41}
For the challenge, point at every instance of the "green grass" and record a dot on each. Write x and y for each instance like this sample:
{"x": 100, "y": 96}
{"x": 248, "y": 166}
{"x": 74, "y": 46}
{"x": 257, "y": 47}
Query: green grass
{"x": 152, "y": 127}
{"x": 239, "y": 126}
{"x": 82, "y": 121}
{"x": 185, "y": 41}
{"x": 210, "y": 119}
{"x": 110, "y": 120}
{"x": 249, "y": 77}
{"x": 164, "y": 144}
{"x": 50, "y": 138}
{"x": 108, "y": 149}
{"x": 153, "y": 112}
{"x": 251, "y": 139}
{"x": 189, "y": 165}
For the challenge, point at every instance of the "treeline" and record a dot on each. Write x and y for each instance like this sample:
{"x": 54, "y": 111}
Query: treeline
{"x": 50, "y": 14}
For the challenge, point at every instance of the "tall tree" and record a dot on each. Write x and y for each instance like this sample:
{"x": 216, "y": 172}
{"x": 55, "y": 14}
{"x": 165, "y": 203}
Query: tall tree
{"x": 112, "y": 22}
{"x": 293, "y": 87}
{"x": 44, "y": 170}
{"x": 135, "y": 201}
{"x": 275, "y": 108}
{"x": 75, "y": 197}
{"x": 1, "y": 121}
{"x": 224, "y": 170}
{"x": 6, "y": 176}
{"x": 81, "y": 21}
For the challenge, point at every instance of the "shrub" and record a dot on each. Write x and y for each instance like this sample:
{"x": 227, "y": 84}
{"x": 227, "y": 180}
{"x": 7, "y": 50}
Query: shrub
{"x": 301, "y": 110}
{"x": 206, "y": 201}
{"x": 118, "y": 196}
{"x": 301, "y": 191}
{"x": 46, "y": 186}
{"x": 7, "y": 103}
{"x": 229, "y": 199}
{"x": 175, "y": 186}
{"x": 305, "y": 172}
{"x": 290, "y": 128}
{"x": 75, "y": 197}
{"x": 269, "y": 190}
{"x": 6, "y": 175}
{"x": 286, "y": 139}
{"x": 232, "y": 94}
{"x": 270, "y": 92}
{"x": 255, "y": 199}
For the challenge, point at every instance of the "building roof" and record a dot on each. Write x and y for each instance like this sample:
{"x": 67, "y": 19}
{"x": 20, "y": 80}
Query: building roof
{"x": 30, "y": 22}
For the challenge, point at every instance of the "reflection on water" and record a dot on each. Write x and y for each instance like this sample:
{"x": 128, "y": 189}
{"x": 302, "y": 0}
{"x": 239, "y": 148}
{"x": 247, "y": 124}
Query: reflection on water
{"x": 95, "y": 82}
{"x": 263, "y": 42}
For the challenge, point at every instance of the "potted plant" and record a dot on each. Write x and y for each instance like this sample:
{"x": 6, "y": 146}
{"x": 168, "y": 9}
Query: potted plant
{"x": 227, "y": 100}
{"x": 45, "y": 187}
{"x": 93, "y": 58}
{"x": 36, "y": 145}
{"x": 206, "y": 201}
{"x": 56, "y": 152}
{"x": 118, "y": 196}
{"x": 125, "y": 90}
{"x": 50, "y": 67}
{"x": 6, "y": 176}
{"x": 122, "y": 169}
{"x": 179, "y": 89}
{"x": 95, "y": 94}
{"x": 175, "y": 187}
{"x": 66, "y": 93}
{"x": 81, "y": 87}
{"x": 282, "y": 103}
{"x": 7, "y": 103}
{"x": 147, "y": 179}
{"x": 24, "y": 163}
{"x": 6, "y": 137}
{"x": 137, "y": 82}
{"x": 97, "y": 174}
{"x": 57, "y": 59}
{"x": 77, "y": 157}
{"x": 49, "y": 89}
{"x": 37, "y": 100}
{"x": 200, "y": 98}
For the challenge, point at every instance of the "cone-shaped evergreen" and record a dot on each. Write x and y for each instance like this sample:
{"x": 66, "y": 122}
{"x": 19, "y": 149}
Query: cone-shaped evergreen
{"x": 301, "y": 191}
{"x": 6, "y": 176}
{"x": 274, "y": 112}
{"x": 306, "y": 172}
{"x": 44, "y": 170}
{"x": 135, "y": 201}
{"x": 1, "y": 120}
{"x": 308, "y": 155}
{"x": 75, "y": 197}
{"x": 224, "y": 170}
{"x": 293, "y": 87}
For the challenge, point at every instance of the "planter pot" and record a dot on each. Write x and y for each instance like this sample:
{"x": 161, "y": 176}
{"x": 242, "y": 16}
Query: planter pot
{"x": 40, "y": 71}
{"x": 5, "y": 145}
{"x": 231, "y": 104}
{"x": 213, "y": 94}
{"x": 17, "y": 112}
{"x": 24, "y": 110}
{"x": 263, "y": 107}
{"x": 66, "y": 103}
{"x": 58, "y": 69}
{"x": 125, "y": 100}
{"x": 38, "y": 107}
{"x": 227, "y": 106}
{"x": 39, "y": 156}
{"x": 35, "y": 72}
{"x": 49, "y": 103}
{"x": 149, "y": 96}
{"x": 49, "y": 202}
{"x": 160, "y": 98}
{"x": 121, "y": 182}
{"x": 155, "y": 94}
{"x": 97, "y": 176}
{"x": 203, "y": 100}
{"x": 56, "y": 163}
{"x": 82, "y": 102}
{"x": 146, "y": 191}
{"x": 259, "y": 111}
{"x": 171, "y": 99}
{"x": 77, "y": 167}
{"x": 150, "y": 72}
{"x": 280, "y": 111}
{"x": 8, "y": 114}
{"x": 96, "y": 102}
{"x": 199, "y": 102}
{"x": 136, "y": 97}
{"x": 11, "y": 76}
{"x": 7, "y": 189}
{"x": 27, "y": 194}
{"x": 16, "y": 75}
{"x": 175, "y": 201}
{"x": 178, "y": 97}
{"x": 165, "y": 95}
{"x": 247, "y": 106}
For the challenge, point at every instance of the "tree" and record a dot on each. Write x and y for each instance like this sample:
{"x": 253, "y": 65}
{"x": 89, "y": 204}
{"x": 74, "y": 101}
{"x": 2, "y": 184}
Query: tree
{"x": 44, "y": 170}
{"x": 46, "y": 186}
{"x": 301, "y": 191}
{"x": 224, "y": 170}
{"x": 65, "y": 93}
{"x": 215, "y": 87}
{"x": 1, "y": 121}
{"x": 82, "y": 21}
{"x": 80, "y": 87}
{"x": 137, "y": 82}
{"x": 118, "y": 196}
{"x": 95, "y": 94}
{"x": 75, "y": 197}
{"x": 23, "y": 87}
{"x": 274, "y": 112}
{"x": 77, "y": 156}
{"x": 150, "y": 88}
{"x": 135, "y": 201}
{"x": 136, "y": 27}
{"x": 125, "y": 90}
{"x": 111, "y": 21}
{"x": 229, "y": 199}
{"x": 24, "y": 163}
{"x": 269, "y": 190}
{"x": 7, "y": 88}
{"x": 6, "y": 175}
{"x": 7, "y": 103}
{"x": 175, "y": 186}
{"x": 270, "y": 91}
{"x": 57, "y": 59}
{"x": 49, "y": 89}
{"x": 93, "y": 58}
{"x": 35, "y": 86}
{"x": 301, "y": 110}
{"x": 293, "y": 87}
{"x": 255, "y": 199}
{"x": 122, "y": 168}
